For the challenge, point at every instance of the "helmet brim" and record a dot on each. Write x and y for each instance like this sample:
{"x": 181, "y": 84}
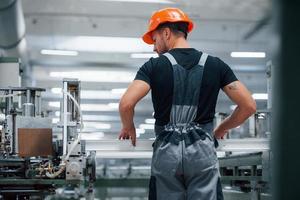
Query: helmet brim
{"x": 147, "y": 37}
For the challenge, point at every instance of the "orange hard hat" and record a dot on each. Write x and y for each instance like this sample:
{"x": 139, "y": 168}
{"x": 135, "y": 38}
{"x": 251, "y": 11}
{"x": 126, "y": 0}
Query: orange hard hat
{"x": 166, "y": 15}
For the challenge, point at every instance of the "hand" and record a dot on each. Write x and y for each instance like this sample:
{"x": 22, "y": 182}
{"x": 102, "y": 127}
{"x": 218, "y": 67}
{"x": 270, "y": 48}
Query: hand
{"x": 219, "y": 133}
{"x": 127, "y": 134}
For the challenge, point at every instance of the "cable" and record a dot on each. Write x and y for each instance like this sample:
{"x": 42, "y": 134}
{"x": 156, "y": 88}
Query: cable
{"x": 81, "y": 125}
{"x": 55, "y": 174}
{"x": 63, "y": 163}
{"x": 79, "y": 109}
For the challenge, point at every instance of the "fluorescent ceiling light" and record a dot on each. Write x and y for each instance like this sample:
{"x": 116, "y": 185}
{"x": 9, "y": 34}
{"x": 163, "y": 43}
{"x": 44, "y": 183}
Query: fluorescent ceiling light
{"x": 93, "y": 94}
{"x": 100, "y": 118}
{"x": 57, "y": 113}
{"x": 97, "y": 107}
{"x": 113, "y": 105}
{"x": 96, "y": 76}
{"x": 59, "y": 52}
{"x": 56, "y": 90}
{"x": 118, "y": 90}
{"x": 149, "y": 121}
{"x": 144, "y": 55}
{"x": 92, "y": 136}
{"x": 248, "y": 54}
{"x": 55, "y": 120}
{"x": 105, "y": 44}
{"x": 140, "y": 131}
{"x": 144, "y": 1}
{"x": 96, "y": 125}
{"x": 260, "y": 96}
{"x": 55, "y": 104}
{"x": 87, "y": 107}
{"x": 146, "y": 126}
{"x": 98, "y": 94}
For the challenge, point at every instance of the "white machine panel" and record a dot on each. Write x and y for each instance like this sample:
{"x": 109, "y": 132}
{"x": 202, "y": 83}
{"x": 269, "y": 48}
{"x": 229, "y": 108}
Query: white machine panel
{"x": 9, "y": 72}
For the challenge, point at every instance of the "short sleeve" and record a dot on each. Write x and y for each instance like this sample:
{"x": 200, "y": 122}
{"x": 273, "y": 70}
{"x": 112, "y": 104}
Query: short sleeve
{"x": 227, "y": 75}
{"x": 145, "y": 72}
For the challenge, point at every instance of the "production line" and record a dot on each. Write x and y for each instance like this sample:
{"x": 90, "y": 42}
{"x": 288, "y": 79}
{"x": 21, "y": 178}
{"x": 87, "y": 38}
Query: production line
{"x": 34, "y": 165}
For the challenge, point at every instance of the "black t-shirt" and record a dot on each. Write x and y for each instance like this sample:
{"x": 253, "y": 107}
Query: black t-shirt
{"x": 158, "y": 73}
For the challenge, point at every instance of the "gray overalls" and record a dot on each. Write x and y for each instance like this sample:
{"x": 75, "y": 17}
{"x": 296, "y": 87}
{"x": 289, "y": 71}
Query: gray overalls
{"x": 184, "y": 162}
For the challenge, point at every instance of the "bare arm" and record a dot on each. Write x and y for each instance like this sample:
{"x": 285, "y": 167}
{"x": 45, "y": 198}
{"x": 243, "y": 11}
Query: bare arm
{"x": 135, "y": 92}
{"x": 246, "y": 106}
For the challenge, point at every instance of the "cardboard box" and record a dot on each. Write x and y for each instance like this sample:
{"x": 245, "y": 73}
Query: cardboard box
{"x": 35, "y": 142}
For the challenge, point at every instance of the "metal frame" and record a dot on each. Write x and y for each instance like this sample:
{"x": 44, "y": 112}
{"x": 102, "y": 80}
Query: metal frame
{"x": 124, "y": 149}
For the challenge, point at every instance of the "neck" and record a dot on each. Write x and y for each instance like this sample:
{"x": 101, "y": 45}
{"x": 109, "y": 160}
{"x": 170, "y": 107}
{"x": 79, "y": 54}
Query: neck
{"x": 179, "y": 43}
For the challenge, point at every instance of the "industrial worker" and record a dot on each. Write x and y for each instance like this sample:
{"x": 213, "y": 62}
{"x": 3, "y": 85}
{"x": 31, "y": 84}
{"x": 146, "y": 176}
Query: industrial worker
{"x": 184, "y": 84}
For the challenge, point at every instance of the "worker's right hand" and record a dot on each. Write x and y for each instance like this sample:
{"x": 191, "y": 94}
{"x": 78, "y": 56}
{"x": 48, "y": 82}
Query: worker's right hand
{"x": 219, "y": 133}
{"x": 128, "y": 133}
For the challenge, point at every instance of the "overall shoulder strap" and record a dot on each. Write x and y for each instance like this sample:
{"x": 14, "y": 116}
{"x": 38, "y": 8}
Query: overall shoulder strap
{"x": 203, "y": 59}
{"x": 170, "y": 58}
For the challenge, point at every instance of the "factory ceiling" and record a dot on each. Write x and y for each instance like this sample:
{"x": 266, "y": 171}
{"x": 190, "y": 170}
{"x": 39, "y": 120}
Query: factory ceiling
{"x": 103, "y": 37}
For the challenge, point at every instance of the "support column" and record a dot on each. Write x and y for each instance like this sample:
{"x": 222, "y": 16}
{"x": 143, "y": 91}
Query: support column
{"x": 286, "y": 99}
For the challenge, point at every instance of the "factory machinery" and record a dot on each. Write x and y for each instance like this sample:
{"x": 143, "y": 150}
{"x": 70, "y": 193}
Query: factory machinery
{"x": 32, "y": 164}
{"x": 35, "y": 166}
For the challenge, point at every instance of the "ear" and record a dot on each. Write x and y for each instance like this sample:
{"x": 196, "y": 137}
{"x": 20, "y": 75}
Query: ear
{"x": 167, "y": 33}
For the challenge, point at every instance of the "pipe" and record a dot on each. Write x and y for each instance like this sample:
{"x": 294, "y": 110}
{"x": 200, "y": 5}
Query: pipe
{"x": 12, "y": 35}
{"x": 12, "y": 21}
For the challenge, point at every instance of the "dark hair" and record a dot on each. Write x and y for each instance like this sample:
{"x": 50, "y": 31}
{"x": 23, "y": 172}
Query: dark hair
{"x": 176, "y": 27}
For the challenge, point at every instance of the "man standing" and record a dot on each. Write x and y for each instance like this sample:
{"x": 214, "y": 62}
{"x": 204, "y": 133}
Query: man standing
{"x": 184, "y": 85}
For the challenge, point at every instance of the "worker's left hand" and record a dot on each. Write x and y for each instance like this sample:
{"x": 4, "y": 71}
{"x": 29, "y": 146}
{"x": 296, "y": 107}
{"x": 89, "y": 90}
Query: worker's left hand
{"x": 128, "y": 133}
